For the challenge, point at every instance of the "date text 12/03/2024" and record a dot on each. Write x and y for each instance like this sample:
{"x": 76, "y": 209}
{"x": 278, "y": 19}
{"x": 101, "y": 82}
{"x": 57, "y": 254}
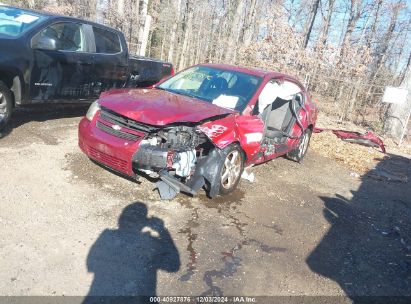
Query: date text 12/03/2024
{"x": 203, "y": 299}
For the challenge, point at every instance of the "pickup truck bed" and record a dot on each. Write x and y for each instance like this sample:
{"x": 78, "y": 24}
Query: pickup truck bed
{"x": 147, "y": 71}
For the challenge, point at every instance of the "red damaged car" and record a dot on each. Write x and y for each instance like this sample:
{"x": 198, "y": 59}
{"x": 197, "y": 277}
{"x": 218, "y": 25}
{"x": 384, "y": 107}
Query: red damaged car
{"x": 200, "y": 128}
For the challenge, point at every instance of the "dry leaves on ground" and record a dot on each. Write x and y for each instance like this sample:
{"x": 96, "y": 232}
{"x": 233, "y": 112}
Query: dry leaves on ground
{"x": 359, "y": 159}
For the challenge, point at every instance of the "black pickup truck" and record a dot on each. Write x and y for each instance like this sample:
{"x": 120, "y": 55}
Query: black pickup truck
{"x": 51, "y": 58}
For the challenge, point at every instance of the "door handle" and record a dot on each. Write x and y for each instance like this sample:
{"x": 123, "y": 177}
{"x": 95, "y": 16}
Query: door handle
{"x": 85, "y": 63}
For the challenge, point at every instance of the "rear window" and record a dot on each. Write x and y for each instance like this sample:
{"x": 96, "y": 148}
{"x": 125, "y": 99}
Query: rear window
{"x": 107, "y": 42}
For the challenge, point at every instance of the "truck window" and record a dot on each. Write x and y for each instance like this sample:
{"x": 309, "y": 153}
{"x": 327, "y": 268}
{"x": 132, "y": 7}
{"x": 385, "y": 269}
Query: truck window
{"x": 14, "y": 21}
{"x": 69, "y": 36}
{"x": 107, "y": 42}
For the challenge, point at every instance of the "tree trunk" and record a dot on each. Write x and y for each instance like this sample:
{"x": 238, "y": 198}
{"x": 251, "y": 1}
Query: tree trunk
{"x": 198, "y": 49}
{"x": 235, "y": 31}
{"x": 247, "y": 33}
{"x": 134, "y": 24}
{"x": 187, "y": 33}
{"x": 327, "y": 22}
{"x": 101, "y": 7}
{"x": 146, "y": 32}
{"x": 184, "y": 49}
{"x": 382, "y": 51}
{"x": 374, "y": 26}
{"x": 120, "y": 7}
{"x": 163, "y": 43}
{"x": 310, "y": 22}
{"x": 355, "y": 14}
{"x": 174, "y": 31}
{"x": 142, "y": 28}
{"x": 120, "y": 12}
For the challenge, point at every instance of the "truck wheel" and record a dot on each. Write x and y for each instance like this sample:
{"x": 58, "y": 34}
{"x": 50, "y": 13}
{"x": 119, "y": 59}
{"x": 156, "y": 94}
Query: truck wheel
{"x": 299, "y": 153}
{"x": 6, "y": 104}
{"x": 231, "y": 169}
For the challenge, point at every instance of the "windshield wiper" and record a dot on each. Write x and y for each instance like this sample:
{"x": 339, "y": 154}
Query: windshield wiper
{"x": 184, "y": 93}
{"x": 188, "y": 94}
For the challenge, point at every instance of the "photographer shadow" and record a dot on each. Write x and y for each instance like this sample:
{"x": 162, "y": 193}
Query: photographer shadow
{"x": 125, "y": 261}
{"x": 367, "y": 247}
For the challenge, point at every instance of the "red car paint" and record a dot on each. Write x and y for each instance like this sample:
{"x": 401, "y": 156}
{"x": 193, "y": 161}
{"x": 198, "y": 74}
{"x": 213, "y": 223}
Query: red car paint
{"x": 158, "y": 108}
{"x": 368, "y": 139}
{"x": 111, "y": 151}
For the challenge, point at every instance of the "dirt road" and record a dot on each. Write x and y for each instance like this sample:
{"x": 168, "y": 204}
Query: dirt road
{"x": 70, "y": 227}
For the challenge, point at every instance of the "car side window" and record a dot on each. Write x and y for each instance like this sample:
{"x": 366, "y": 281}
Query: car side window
{"x": 274, "y": 89}
{"x": 267, "y": 95}
{"x": 69, "y": 36}
{"x": 107, "y": 42}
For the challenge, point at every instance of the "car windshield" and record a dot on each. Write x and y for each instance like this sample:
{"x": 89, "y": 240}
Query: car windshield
{"x": 224, "y": 88}
{"x": 14, "y": 21}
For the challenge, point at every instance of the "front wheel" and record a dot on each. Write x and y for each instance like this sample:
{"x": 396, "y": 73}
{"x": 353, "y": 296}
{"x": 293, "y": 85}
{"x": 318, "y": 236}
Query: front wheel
{"x": 231, "y": 169}
{"x": 6, "y": 104}
{"x": 299, "y": 153}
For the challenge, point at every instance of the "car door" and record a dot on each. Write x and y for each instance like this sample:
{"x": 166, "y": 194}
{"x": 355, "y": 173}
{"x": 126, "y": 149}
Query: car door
{"x": 279, "y": 104}
{"x": 62, "y": 63}
{"x": 110, "y": 66}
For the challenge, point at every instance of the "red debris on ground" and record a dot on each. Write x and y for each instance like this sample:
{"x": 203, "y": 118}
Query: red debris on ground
{"x": 368, "y": 139}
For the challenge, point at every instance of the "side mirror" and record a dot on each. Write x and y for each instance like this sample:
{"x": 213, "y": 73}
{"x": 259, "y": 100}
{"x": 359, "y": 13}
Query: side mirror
{"x": 45, "y": 43}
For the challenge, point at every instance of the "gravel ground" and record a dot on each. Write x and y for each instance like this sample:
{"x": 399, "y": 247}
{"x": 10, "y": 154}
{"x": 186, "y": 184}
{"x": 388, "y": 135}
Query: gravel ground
{"x": 70, "y": 227}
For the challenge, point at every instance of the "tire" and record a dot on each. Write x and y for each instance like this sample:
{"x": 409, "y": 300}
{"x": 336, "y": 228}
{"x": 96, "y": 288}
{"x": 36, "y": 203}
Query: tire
{"x": 299, "y": 153}
{"x": 231, "y": 168}
{"x": 6, "y": 105}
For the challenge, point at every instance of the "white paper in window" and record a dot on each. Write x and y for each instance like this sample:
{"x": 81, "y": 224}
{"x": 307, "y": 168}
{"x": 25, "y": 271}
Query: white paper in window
{"x": 26, "y": 18}
{"x": 226, "y": 101}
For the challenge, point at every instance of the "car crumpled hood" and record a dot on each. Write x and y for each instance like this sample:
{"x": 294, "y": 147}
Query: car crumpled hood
{"x": 157, "y": 107}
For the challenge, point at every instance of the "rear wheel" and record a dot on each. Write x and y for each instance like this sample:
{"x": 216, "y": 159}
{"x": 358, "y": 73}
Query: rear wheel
{"x": 299, "y": 153}
{"x": 6, "y": 104}
{"x": 231, "y": 169}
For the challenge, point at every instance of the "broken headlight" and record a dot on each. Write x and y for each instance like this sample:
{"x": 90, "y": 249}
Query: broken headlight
{"x": 94, "y": 108}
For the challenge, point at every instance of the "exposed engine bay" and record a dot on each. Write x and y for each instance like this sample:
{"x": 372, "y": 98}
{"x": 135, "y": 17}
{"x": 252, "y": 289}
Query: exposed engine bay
{"x": 174, "y": 148}
{"x": 174, "y": 154}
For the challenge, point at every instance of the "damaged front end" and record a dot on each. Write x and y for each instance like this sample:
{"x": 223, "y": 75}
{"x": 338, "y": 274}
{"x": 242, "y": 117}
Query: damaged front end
{"x": 182, "y": 157}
